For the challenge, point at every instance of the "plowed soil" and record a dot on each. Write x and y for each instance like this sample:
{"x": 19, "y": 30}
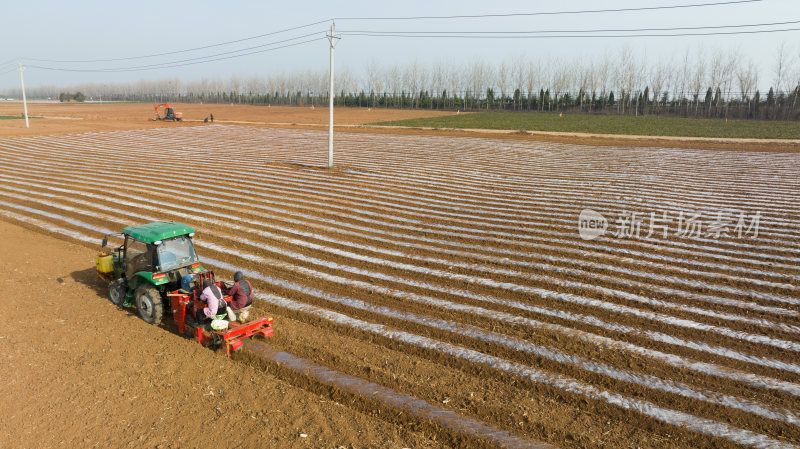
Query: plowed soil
{"x": 80, "y": 372}
{"x": 448, "y": 268}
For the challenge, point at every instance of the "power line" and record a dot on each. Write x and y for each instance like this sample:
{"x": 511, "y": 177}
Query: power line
{"x": 421, "y": 34}
{"x": 162, "y": 66}
{"x": 631, "y": 30}
{"x": 13, "y": 69}
{"x": 210, "y": 58}
{"x": 467, "y": 36}
{"x": 551, "y": 13}
{"x": 181, "y": 51}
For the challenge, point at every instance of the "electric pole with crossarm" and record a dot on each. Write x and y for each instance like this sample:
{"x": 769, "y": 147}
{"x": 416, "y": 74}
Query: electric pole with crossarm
{"x": 332, "y": 38}
{"x": 25, "y": 100}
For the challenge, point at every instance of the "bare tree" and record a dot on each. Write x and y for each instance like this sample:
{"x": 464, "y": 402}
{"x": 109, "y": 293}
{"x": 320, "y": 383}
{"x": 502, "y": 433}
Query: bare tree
{"x": 729, "y": 68}
{"x": 697, "y": 79}
{"x": 604, "y": 78}
{"x": 394, "y": 80}
{"x": 585, "y": 76}
{"x": 424, "y": 82}
{"x": 624, "y": 77}
{"x": 657, "y": 79}
{"x": 594, "y": 83}
{"x": 502, "y": 80}
{"x": 411, "y": 80}
{"x": 518, "y": 80}
{"x": 559, "y": 79}
{"x": 532, "y": 76}
{"x": 373, "y": 74}
{"x": 794, "y": 80}
{"x": 780, "y": 67}
{"x": 437, "y": 80}
{"x": 455, "y": 81}
{"x": 747, "y": 77}
{"x": 479, "y": 76}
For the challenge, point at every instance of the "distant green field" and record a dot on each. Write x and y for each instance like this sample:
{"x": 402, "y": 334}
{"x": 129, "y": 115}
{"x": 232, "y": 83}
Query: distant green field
{"x": 611, "y": 124}
{"x": 15, "y": 117}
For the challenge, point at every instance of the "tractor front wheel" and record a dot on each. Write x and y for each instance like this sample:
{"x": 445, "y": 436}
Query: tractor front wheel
{"x": 149, "y": 305}
{"x": 117, "y": 291}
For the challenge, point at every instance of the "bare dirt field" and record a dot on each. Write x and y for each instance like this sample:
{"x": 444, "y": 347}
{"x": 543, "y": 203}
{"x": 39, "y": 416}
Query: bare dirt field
{"x": 69, "y": 118}
{"x": 447, "y": 268}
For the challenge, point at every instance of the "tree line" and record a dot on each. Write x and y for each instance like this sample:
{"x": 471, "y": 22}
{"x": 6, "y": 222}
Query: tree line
{"x": 695, "y": 83}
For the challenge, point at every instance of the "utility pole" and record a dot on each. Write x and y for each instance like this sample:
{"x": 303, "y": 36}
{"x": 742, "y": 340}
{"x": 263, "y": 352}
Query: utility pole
{"x": 332, "y": 38}
{"x": 24, "y": 100}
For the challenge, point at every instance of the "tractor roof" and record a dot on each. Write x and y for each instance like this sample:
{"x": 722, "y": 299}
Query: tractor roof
{"x": 157, "y": 230}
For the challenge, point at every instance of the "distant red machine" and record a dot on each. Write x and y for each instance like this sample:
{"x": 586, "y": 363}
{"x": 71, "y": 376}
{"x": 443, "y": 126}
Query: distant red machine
{"x": 169, "y": 113}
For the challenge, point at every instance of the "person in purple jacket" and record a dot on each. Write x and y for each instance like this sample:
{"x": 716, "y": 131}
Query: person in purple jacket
{"x": 242, "y": 296}
{"x": 215, "y": 305}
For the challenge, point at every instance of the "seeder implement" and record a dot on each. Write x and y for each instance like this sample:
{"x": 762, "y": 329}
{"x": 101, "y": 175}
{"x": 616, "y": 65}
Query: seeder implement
{"x": 184, "y": 305}
{"x": 238, "y": 332}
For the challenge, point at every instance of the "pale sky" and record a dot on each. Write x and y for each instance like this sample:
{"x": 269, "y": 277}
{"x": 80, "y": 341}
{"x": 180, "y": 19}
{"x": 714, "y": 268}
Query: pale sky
{"x": 80, "y": 30}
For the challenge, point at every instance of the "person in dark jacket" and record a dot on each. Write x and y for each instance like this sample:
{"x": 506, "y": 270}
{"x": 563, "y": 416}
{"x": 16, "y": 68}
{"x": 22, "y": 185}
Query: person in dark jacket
{"x": 242, "y": 296}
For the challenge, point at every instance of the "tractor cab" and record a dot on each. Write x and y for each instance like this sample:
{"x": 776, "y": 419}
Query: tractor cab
{"x": 173, "y": 256}
{"x": 157, "y": 269}
{"x": 158, "y": 253}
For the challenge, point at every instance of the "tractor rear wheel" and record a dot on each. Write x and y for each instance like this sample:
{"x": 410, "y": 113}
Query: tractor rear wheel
{"x": 149, "y": 305}
{"x": 117, "y": 291}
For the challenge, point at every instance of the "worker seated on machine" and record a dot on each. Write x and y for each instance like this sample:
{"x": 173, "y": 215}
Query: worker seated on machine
{"x": 242, "y": 293}
{"x": 215, "y": 305}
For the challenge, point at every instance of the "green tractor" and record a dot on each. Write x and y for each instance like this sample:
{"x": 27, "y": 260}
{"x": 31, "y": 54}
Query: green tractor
{"x": 157, "y": 270}
{"x": 152, "y": 261}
